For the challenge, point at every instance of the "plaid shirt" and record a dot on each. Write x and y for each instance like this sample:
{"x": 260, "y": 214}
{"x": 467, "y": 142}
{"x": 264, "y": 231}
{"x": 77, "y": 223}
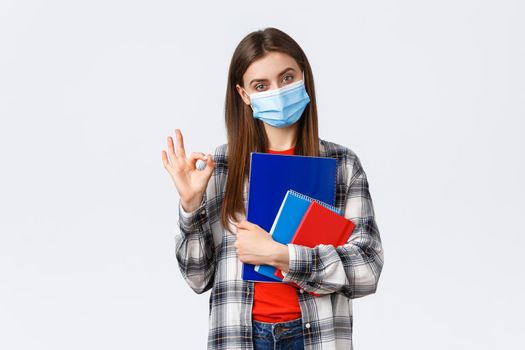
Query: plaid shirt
{"x": 207, "y": 259}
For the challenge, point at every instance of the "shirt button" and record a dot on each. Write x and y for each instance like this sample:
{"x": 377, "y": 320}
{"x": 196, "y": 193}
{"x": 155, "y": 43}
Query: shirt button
{"x": 307, "y": 325}
{"x": 301, "y": 291}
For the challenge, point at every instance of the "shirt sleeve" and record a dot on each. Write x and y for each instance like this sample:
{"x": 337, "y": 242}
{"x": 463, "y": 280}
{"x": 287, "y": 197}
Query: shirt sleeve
{"x": 194, "y": 246}
{"x": 190, "y": 217}
{"x": 352, "y": 269}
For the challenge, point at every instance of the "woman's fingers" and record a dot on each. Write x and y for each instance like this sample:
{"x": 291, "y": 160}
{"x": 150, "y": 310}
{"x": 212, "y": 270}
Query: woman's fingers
{"x": 194, "y": 156}
{"x": 244, "y": 224}
{"x": 171, "y": 151}
{"x": 165, "y": 160}
{"x": 181, "y": 168}
{"x": 207, "y": 158}
{"x": 181, "y": 152}
{"x": 175, "y": 151}
{"x": 211, "y": 164}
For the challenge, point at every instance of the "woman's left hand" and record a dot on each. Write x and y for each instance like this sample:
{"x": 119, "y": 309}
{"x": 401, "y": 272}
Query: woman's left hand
{"x": 255, "y": 246}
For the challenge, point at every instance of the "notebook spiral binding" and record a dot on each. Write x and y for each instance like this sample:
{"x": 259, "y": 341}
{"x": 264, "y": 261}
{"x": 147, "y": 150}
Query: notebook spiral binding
{"x": 308, "y": 198}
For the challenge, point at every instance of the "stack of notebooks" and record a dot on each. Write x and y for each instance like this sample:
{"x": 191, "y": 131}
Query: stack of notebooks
{"x": 293, "y": 197}
{"x": 303, "y": 220}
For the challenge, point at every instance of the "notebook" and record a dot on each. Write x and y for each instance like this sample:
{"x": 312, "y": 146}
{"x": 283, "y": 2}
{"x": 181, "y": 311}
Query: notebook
{"x": 289, "y": 216}
{"x": 321, "y": 225}
{"x": 271, "y": 176}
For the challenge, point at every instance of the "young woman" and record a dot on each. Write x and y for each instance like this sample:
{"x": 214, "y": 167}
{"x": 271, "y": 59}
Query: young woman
{"x": 270, "y": 107}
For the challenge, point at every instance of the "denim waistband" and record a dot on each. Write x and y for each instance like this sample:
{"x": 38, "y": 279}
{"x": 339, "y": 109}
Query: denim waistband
{"x": 277, "y": 330}
{"x": 291, "y": 323}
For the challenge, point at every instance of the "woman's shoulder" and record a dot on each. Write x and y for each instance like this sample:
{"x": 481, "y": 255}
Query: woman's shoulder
{"x": 220, "y": 153}
{"x": 221, "y": 149}
{"x": 335, "y": 150}
{"x": 348, "y": 160}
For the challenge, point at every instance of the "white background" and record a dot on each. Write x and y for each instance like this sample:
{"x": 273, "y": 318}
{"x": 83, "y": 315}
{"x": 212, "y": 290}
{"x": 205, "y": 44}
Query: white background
{"x": 430, "y": 95}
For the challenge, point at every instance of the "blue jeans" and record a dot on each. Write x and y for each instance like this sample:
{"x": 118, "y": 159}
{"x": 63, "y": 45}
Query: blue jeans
{"x": 278, "y": 336}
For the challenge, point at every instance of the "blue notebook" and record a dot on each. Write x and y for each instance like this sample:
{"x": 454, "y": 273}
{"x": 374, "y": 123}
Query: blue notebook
{"x": 271, "y": 176}
{"x": 288, "y": 218}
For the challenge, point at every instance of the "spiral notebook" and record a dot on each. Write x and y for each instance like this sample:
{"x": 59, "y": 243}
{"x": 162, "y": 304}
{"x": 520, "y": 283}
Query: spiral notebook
{"x": 289, "y": 217}
{"x": 271, "y": 176}
{"x": 321, "y": 224}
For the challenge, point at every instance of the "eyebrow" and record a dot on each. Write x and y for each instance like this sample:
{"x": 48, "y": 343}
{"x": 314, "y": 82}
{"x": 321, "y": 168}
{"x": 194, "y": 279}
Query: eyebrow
{"x": 284, "y": 71}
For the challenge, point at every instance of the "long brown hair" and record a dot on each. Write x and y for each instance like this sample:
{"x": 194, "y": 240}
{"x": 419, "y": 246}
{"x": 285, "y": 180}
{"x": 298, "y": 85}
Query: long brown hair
{"x": 246, "y": 134}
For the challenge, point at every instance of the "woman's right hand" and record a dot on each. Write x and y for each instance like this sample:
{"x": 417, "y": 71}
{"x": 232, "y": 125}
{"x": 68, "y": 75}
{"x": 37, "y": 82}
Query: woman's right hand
{"x": 190, "y": 182}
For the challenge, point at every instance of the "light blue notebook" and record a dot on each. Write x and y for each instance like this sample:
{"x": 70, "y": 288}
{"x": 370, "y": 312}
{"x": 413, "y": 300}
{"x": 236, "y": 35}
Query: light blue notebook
{"x": 288, "y": 218}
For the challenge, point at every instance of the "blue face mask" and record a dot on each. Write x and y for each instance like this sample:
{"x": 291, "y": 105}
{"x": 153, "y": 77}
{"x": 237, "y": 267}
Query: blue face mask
{"x": 280, "y": 107}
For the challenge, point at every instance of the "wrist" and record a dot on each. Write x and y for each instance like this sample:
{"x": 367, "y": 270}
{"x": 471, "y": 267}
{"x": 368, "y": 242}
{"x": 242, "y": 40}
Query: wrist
{"x": 280, "y": 257}
{"x": 191, "y": 204}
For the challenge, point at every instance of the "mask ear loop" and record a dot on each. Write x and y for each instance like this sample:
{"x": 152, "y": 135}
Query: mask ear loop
{"x": 246, "y": 92}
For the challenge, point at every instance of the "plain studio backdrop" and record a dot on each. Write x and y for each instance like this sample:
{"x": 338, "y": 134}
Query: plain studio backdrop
{"x": 430, "y": 95}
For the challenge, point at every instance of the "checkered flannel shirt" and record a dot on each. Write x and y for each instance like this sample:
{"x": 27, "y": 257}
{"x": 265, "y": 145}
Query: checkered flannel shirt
{"x": 207, "y": 259}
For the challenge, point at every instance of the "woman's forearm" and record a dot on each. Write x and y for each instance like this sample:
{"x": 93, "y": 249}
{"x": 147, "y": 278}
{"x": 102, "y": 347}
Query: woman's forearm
{"x": 280, "y": 257}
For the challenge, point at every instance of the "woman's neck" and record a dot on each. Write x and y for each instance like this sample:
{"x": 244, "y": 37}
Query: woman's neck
{"x": 281, "y": 139}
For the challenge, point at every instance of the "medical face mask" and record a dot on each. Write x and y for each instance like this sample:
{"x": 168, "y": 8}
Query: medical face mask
{"x": 280, "y": 107}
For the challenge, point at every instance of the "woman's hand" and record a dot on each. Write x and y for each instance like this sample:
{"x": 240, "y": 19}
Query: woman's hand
{"x": 189, "y": 182}
{"x": 255, "y": 246}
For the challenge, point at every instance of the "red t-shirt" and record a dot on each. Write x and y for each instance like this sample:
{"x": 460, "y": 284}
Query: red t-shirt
{"x": 275, "y": 302}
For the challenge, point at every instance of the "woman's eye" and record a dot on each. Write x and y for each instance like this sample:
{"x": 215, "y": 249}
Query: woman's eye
{"x": 288, "y": 76}
{"x": 261, "y": 87}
